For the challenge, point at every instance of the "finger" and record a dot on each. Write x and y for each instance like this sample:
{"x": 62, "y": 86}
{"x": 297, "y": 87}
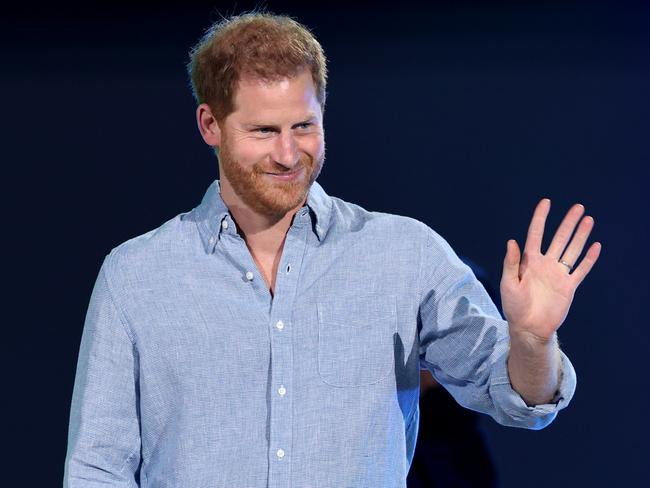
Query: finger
{"x": 511, "y": 262}
{"x": 587, "y": 263}
{"x": 536, "y": 228}
{"x": 579, "y": 240}
{"x": 564, "y": 231}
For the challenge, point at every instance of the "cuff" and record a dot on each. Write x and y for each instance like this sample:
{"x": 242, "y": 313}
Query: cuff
{"x": 512, "y": 410}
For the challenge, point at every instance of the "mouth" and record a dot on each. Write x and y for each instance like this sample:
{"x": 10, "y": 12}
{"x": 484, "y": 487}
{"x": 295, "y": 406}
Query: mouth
{"x": 286, "y": 176}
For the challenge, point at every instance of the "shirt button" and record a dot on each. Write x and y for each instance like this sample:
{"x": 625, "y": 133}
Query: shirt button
{"x": 280, "y": 453}
{"x": 224, "y": 224}
{"x": 280, "y": 325}
{"x": 249, "y": 275}
{"x": 282, "y": 390}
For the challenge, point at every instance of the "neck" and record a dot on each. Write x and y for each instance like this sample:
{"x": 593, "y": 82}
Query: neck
{"x": 264, "y": 233}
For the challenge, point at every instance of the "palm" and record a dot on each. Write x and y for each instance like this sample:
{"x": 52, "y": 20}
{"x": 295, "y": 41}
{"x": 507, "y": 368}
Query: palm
{"x": 537, "y": 290}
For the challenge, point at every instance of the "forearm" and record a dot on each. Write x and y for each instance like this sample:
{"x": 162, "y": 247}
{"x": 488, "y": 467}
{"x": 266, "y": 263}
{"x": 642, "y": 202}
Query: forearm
{"x": 534, "y": 367}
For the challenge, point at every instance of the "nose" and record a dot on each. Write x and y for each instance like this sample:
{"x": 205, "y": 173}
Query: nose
{"x": 286, "y": 150}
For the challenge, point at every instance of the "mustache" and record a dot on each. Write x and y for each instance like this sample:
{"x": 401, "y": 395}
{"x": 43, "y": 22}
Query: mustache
{"x": 305, "y": 163}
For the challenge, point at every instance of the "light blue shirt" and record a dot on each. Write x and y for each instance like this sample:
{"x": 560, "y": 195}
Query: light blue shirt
{"x": 191, "y": 375}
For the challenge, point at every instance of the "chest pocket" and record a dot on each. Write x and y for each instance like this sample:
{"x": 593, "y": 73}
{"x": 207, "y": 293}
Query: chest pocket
{"x": 355, "y": 339}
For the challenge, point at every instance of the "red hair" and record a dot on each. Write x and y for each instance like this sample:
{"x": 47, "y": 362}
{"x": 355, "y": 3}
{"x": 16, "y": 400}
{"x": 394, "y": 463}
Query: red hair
{"x": 253, "y": 45}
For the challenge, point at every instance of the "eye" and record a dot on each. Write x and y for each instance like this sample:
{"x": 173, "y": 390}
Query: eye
{"x": 304, "y": 125}
{"x": 264, "y": 130}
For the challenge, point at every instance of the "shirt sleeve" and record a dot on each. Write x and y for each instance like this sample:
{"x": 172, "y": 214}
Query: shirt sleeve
{"x": 104, "y": 429}
{"x": 464, "y": 342}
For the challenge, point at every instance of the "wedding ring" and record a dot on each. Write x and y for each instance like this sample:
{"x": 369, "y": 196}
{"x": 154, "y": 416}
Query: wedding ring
{"x": 570, "y": 268}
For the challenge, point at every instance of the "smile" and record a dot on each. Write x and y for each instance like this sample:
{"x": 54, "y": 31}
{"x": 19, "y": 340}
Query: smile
{"x": 286, "y": 176}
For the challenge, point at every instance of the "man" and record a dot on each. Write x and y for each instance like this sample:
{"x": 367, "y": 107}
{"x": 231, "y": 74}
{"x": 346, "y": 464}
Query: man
{"x": 273, "y": 336}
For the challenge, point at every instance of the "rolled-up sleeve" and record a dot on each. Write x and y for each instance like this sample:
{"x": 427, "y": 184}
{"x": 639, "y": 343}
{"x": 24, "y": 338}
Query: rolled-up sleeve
{"x": 464, "y": 342}
{"x": 104, "y": 429}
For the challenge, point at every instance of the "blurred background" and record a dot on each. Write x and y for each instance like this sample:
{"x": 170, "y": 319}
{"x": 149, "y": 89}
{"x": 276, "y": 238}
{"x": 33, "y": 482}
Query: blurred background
{"x": 460, "y": 114}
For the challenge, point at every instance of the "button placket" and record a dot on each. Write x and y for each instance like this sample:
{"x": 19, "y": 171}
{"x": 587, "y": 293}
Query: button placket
{"x": 282, "y": 367}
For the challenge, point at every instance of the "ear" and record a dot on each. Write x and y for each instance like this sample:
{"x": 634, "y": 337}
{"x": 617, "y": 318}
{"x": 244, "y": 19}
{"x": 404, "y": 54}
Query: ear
{"x": 208, "y": 126}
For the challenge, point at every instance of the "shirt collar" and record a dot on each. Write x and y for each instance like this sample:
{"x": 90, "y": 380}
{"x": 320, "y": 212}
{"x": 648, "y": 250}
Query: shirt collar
{"x": 212, "y": 211}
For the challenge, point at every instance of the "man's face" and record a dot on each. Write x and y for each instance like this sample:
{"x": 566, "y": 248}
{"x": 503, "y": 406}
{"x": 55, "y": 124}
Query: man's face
{"x": 272, "y": 146}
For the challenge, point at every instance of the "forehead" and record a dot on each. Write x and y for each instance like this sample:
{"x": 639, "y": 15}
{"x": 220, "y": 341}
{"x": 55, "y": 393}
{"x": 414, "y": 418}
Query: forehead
{"x": 255, "y": 97}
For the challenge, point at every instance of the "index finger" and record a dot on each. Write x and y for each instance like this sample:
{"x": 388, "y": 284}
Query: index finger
{"x": 536, "y": 227}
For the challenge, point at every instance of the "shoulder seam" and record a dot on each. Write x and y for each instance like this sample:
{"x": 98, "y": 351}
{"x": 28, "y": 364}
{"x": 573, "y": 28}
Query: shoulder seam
{"x": 427, "y": 243}
{"x": 120, "y": 313}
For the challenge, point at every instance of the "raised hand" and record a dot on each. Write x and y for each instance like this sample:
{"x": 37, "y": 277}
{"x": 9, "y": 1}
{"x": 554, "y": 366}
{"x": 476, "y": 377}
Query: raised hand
{"x": 537, "y": 291}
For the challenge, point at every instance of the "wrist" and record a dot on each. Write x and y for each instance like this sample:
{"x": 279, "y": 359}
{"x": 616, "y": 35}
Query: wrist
{"x": 529, "y": 339}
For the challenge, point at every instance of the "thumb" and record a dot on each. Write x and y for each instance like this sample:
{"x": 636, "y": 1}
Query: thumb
{"x": 511, "y": 262}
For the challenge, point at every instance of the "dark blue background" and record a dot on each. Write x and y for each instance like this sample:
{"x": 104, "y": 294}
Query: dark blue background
{"x": 462, "y": 115}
